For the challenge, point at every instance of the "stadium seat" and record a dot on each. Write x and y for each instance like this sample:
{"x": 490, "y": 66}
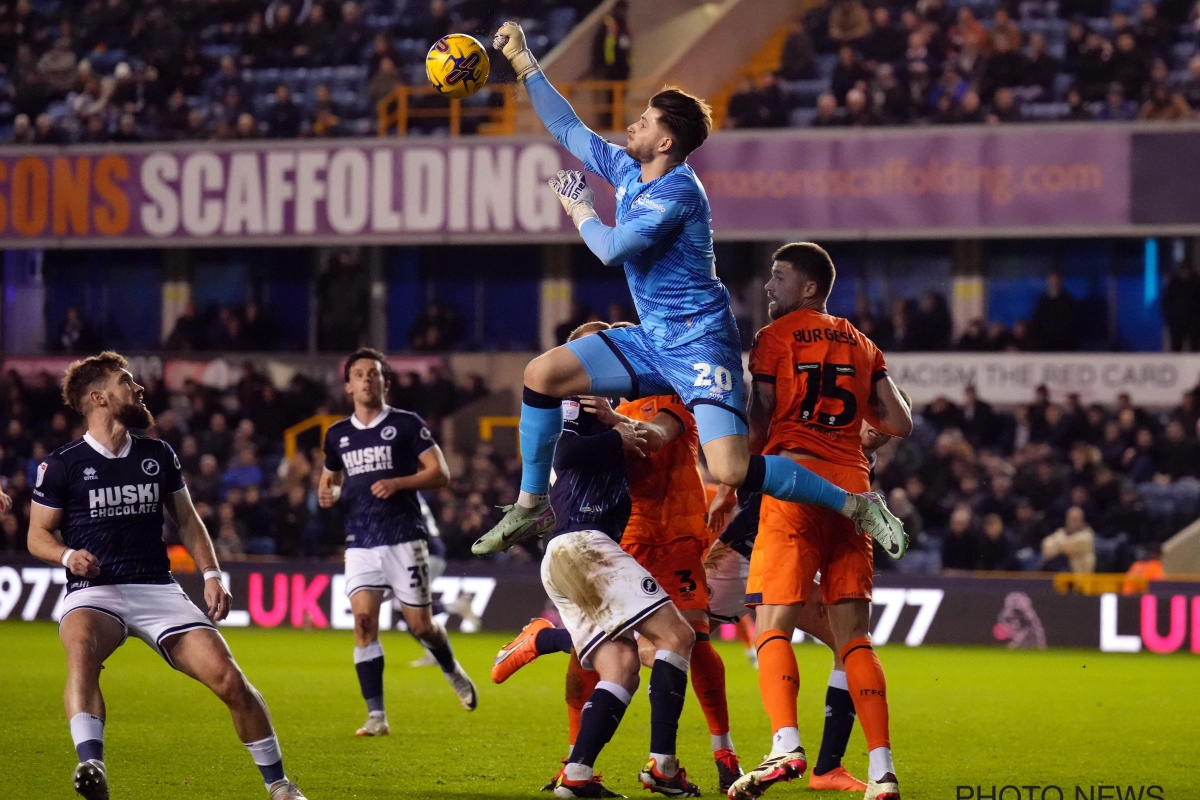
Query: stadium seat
{"x": 801, "y": 117}
{"x": 804, "y": 93}
{"x": 1044, "y": 112}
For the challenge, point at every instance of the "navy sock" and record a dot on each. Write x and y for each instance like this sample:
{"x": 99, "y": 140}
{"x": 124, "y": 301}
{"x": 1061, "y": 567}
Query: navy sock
{"x": 540, "y": 426}
{"x": 368, "y": 663}
{"x": 839, "y": 722}
{"x": 668, "y": 688}
{"x": 601, "y": 715}
{"x": 92, "y": 748}
{"x": 784, "y": 479}
{"x": 552, "y": 640}
{"x": 443, "y": 654}
{"x": 271, "y": 772}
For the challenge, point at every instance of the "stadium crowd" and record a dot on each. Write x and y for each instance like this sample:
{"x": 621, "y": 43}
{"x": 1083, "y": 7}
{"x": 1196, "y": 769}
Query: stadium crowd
{"x": 142, "y": 70}
{"x": 1050, "y": 485}
{"x": 854, "y": 63}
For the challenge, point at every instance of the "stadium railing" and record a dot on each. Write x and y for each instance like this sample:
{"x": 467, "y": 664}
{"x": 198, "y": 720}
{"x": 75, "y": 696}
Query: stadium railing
{"x": 292, "y": 434}
{"x": 602, "y": 105}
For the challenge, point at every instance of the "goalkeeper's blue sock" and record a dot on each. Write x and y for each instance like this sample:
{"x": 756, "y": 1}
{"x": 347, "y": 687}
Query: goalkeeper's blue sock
{"x": 541, "y": 425}
{"x": 784, "y": 479}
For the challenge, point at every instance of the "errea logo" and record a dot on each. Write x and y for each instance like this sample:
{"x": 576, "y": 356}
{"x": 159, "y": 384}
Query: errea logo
{"x": 344, "y": 441}
{"x": 89, "y": 474}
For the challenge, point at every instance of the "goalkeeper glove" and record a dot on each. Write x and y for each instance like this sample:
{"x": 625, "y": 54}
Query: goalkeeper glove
{"x": 510, "y": 40}
{"x": 577, "y": 199}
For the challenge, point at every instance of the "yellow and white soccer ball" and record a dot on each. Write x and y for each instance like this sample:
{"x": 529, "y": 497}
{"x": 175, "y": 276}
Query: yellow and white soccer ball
{"x": 457, "y": 65}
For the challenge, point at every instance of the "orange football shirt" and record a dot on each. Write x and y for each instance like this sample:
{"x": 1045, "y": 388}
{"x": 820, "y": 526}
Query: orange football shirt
{"x": 668, "y": 495}
{"x": 824, "y": 371}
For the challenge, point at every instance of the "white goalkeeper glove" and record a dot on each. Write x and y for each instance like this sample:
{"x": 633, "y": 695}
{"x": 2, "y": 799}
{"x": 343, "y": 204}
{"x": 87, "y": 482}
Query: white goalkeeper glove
{"x": 510, "y": 40}
{"x": 577, "y": 199}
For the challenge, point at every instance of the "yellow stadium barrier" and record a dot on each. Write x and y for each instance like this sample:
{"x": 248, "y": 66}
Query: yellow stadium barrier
{"x": 324, "y": 421}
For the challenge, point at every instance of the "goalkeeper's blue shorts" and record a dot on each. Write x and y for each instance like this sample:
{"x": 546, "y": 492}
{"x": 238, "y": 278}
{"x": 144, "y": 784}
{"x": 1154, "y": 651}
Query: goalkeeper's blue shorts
{"x": 706, "y": 373}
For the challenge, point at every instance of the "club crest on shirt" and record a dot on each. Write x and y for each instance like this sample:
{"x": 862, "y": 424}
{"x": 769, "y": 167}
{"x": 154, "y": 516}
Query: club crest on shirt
{"x": 344, "y": 441}
{"x": 41, "y": 473}
{"x": 648, "y": 411}
{"x": 570, "y": 409}
{"x": 89, "y": 474}
{"x": 150, "y": 467}
{"x": 388, "y": 433}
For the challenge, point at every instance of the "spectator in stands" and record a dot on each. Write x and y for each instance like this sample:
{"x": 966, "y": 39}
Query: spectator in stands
{"x": 1002, "y": 25}
{"x": 437, "y": 327}
{"x": 22, "y": 132}
{"x": 1190, "y": 88}
{"x": 974, "y": 338}
{"x": 798, "y": 61}
{"x": 1076, "y": 110}
{"x": 1153, "y": 34}
{"x": 859, "y": 113}
{"x": 885, "y": 43}
{"x": 1003, "y": 69}
{"x": 758, "y": 106}
{"x": 847, "y": 74}
{"x": 892, "y": 100}
{"x": 313, "y": 46}
{"x": 970, "y": 110}
{"x": 997, "y": 547}
{"x": 1164, "y": 105}
{"x": 1178, "y": 455}
{"x": 226, "y": 78}
{"x": 968, "y": 33}
{"x": 342, "y": 294}
{"x": 247, "y": 128}
{"x": 324, "y": 119}
{"x": 1071, "y": 548}
{"x": 1116, "y": 107}
{"x": 828, "y": 113}
{"x": 612, "y": 44}
{"x": 127, "y": 132}
{"x": 960, "y": 544}
{"x": 257, "y": 50}
{"x": 188, "y": 332}
{"x": 849, "y": 22}
{"x": 76, "y": 335}
{"x": 932, "y": 325}
{"x": 1004, "y": 107}
{"x": 1093, "y": 67}
{"x": 1180, "y": 303}
{"x": 284, "y": 117}
{"x": 173, "y": 119}
{"x": 284, "y": 35}
{"x": 1041, "y": 68}
{"x": 57, "y": 68}
{"x": 384, "y": 81}
{"x": 351, "y": 35}
{"x": 1056, "y": 321}
{"x": 1130, "y": 66}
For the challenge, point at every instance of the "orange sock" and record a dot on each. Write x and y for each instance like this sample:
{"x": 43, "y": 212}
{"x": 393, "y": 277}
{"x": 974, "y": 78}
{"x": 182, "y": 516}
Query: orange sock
{"x": 868, "y": 689}
{"x": 778, "y": 678}
{"x": 580, "y": 685}
{"x": 708, "y": 681}
{"x": 745, "y": 631}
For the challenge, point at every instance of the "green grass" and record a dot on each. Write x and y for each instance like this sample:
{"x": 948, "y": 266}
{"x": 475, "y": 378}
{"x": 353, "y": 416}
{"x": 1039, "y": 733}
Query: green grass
{"x": 959, "y": 716}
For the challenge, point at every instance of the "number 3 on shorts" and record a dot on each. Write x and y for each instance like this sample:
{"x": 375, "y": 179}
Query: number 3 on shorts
{"x": 706, "y": 374}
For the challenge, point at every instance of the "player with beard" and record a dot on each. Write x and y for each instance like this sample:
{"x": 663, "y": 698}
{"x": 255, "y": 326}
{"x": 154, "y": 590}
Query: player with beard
{"x": 105, "y": 494}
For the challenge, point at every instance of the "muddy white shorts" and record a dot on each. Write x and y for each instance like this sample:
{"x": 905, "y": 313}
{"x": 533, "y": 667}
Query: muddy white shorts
{"x": 599, "y": 590}
{"x": 153, "y": 612}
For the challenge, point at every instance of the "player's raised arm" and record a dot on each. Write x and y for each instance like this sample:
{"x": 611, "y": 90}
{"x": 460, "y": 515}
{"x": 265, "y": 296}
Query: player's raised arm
{"x": 597, "y": 154}
{"x": 195, "y": 538}
{"x": 893, "y": 414}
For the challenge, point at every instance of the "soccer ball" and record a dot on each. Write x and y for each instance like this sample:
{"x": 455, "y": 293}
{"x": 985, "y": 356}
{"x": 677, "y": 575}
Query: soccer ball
{"x": 457, "y": 65}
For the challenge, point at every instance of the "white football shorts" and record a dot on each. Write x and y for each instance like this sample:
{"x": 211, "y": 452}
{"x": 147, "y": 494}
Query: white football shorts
{"x": 400, "y": 571}
{"x": 600, "y": 591}
{"x": 152, "y": 612}
{"x": 726, "y": 571}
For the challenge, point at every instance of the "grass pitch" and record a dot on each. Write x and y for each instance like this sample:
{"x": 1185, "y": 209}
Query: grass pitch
{"x": 960, "y": 716}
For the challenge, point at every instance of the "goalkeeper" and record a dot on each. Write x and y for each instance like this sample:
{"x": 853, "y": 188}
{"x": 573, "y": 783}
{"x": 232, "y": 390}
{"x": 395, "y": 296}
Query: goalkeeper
{"x": 688, "y": 342}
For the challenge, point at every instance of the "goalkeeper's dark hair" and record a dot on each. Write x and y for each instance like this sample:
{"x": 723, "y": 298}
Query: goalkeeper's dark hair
{"x": 688, "y": 118}
{"x": 369, "y": 354}
{"x": 812, "y": 261}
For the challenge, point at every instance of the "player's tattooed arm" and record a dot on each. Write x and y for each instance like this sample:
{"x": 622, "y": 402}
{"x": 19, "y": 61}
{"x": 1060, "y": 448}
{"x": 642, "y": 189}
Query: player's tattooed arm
{"x": 329, "y": 489}
{"x": 887, "y": 409}
{"x": 44, "y": 544}
{"x": 760, "y": 406}
{"x": 195, "y": 538}
{"x": 432, "y": 474}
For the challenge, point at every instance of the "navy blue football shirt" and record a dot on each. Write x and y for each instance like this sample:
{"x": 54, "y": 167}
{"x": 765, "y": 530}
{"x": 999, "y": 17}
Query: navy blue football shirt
{"x": 112, "y": 506}
{"x": 590, "y": 491}
{"x": 390, "y": 447}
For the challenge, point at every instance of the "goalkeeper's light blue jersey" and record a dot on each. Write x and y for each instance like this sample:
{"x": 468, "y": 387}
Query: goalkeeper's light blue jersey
{"x": 663, "y": 234}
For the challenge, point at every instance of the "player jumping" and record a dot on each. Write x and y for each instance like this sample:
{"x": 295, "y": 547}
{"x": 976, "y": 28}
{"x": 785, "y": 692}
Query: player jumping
{"x": 688, "y": 342}
{"x": 106, "y": 493}
{"x": 377, "y": 459}
{"x": 816, "y": 378}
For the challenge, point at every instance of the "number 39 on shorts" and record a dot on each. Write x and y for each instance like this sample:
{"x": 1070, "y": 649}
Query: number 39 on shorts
{"x": 707, "y": 375}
